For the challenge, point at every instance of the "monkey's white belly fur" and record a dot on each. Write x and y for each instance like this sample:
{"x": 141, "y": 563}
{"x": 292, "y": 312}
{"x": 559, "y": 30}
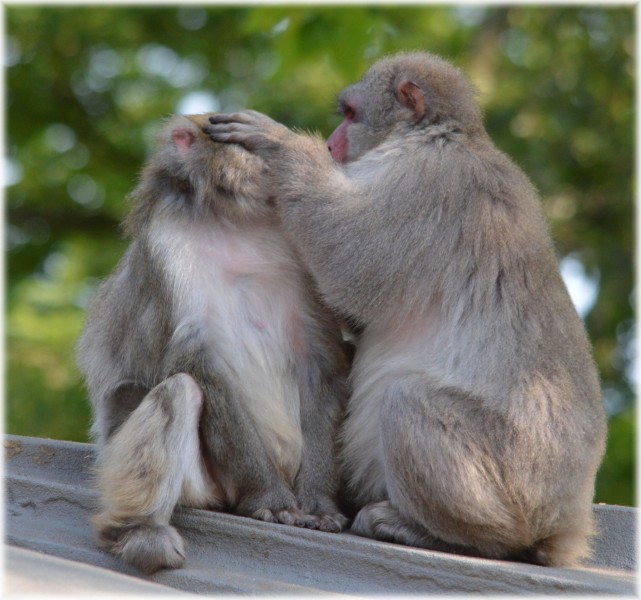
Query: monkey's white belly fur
{"x": 239, "y": 288}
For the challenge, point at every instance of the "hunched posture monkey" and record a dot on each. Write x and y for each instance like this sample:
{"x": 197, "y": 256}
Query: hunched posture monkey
{"x": 215, "y": 376}
{"x": 475, "y": 424}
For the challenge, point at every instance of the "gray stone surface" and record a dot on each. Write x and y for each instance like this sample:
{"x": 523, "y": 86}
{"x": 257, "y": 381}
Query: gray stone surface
{"x": 30, "y": 572}
{"x": 49, "y": 501}
{"x": 616, "y": 541}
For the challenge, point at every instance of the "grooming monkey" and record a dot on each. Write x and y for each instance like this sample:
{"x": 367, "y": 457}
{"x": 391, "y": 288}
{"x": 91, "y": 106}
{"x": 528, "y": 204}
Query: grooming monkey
{"x": 475, "y": 423}
{"x": 215, "y": 376}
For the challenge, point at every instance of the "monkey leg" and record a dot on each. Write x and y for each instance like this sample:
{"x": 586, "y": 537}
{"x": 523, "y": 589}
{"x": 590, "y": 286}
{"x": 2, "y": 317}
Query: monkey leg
{"x": 321, "y": 396}
{"x": 442, "y": 456}
{"x": 252, "y": 484}
{"x": 148, "y": 463}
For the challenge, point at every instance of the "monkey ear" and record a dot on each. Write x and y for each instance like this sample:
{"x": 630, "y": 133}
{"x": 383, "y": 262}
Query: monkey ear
{"x": 183, "y": 138}
{"x": 412, "y": 97}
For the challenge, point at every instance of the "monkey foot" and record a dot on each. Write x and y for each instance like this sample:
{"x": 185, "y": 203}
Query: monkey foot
{"x": 290, "y": 516}
{"x": 382, "y": 521}
{"x": 330, "y": 519}
{"x": 333, "y": 523}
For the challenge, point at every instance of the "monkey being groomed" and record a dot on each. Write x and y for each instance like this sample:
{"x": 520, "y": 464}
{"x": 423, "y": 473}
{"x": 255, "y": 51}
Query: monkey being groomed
{"x": 216, "y": 377}
{"x": 475, "y": 423}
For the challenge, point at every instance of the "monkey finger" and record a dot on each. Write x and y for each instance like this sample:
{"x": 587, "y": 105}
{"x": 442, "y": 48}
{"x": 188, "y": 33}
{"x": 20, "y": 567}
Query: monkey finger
{"x": 229, "y": 127}
{"x": 250, "y": 139}
{"x": 237, "y": 117}
{"x": 232, "y": 137}
{"x": 228, "y": 132}
{"x": 221, "y": 137}
{"x": 245, "y": 116}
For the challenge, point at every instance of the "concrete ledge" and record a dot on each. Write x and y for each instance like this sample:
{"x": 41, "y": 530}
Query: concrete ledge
{"x": 30, "y": 572}
{"x": 49, "y": 501}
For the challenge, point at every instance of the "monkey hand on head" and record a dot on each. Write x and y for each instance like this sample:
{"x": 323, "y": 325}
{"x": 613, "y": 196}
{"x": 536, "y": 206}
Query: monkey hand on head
{"x": 216, "y": 377}
{"x": 475, "y": 423}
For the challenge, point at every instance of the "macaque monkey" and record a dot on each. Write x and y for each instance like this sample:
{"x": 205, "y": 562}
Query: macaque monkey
{"x": 216, "y": 377}
{"x": 475, "y": 423}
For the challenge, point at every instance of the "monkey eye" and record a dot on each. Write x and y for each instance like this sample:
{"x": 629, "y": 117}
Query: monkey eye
{"x": 349, "y": 112}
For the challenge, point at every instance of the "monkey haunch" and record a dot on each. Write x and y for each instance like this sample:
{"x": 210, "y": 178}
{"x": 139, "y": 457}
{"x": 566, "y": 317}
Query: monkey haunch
{"x": 476, "y": 423}
{"x": 216, "y": 378}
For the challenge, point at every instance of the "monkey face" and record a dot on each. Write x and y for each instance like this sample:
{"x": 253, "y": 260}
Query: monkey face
{"x": 402, "y": 93}
{"x": 220, "y": 179}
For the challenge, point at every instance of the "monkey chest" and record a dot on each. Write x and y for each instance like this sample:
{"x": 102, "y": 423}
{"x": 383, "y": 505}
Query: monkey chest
{"x": 243, "y": 292}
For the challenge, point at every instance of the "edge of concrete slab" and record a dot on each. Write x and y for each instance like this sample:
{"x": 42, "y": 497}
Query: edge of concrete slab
{"x": 49, "y": 500}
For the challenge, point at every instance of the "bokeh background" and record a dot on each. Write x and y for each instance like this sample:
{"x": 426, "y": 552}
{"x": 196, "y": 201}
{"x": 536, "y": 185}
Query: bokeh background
{"x": 88, "y": 86}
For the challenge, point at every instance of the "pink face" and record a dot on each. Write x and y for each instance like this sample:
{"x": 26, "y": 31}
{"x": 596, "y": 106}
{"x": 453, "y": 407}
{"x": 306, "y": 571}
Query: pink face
{"x": 337, "y": 142}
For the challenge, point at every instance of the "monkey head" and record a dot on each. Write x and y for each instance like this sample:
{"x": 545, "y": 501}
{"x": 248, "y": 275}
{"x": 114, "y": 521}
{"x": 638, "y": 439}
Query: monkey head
{"x": 399, "y": 93}
{"x": 191, "y": 173}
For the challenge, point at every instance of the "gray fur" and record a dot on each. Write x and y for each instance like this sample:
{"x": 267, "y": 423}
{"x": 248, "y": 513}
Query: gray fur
{"x": 216, "y": 377}
{"x": 475, "y": 422}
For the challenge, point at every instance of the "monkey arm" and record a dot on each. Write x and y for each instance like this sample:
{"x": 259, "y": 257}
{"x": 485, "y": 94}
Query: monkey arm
{"x": 346, "y": 223}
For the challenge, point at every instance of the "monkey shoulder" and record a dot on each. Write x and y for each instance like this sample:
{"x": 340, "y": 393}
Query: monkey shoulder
{"x": 479, "y": 169}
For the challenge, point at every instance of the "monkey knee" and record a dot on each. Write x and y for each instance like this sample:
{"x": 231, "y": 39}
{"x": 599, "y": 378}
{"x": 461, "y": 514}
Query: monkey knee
{"x": 174, "y": 405}
{"x": 184, "y": 385}
{"x": 182, "y": 390}
{"x": 173, "y": 401}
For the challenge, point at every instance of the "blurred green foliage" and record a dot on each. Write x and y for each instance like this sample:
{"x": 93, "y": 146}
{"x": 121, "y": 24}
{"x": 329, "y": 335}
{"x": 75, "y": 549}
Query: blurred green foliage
{"x": 88, "y": 85}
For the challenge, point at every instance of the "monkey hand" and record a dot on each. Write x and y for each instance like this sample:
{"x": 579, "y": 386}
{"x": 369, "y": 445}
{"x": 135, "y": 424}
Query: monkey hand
{"x": 253, "y": 130}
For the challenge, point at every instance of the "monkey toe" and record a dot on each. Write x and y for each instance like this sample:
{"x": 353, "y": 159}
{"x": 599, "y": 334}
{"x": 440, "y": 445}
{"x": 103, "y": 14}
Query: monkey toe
{"x": 330, "y": 524}
{"x": 264, "y": 514}
{"x": 296, "y": 518}
{"x": 313, "y": 522}
{"x": 288, "y": 518}
{"x": 333, "y": 523}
